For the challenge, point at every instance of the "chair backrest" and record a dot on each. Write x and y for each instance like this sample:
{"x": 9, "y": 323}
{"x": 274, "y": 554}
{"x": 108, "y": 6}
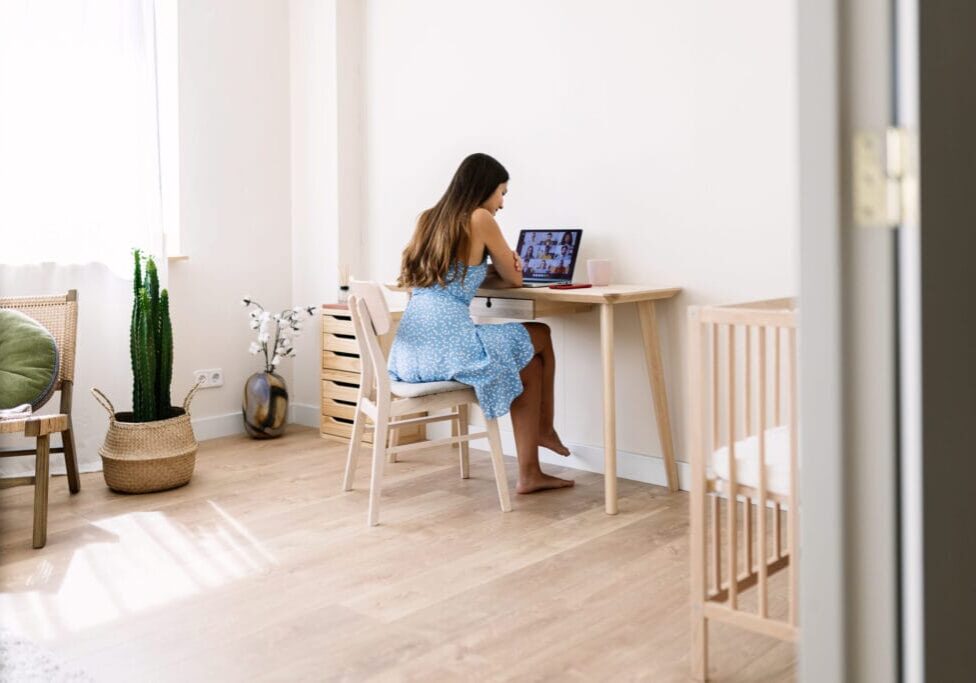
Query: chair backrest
{"x": 372, "y": 294}
{"x": 59, "y": 314}
{"x": 366, "y": 305}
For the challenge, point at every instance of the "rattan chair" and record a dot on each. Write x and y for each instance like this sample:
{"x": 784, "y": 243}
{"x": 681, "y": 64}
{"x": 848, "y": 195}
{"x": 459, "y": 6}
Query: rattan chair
{"x": 59, "y": 314}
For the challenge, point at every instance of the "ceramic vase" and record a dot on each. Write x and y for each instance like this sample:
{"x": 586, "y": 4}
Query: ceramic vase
{"x": 265, "y": 405}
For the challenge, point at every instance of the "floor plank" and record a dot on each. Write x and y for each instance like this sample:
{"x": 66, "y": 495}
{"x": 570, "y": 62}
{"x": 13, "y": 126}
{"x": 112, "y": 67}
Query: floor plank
{"x": 262, "y": 569}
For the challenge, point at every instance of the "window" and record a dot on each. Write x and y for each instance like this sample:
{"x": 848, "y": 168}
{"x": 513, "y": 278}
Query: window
{"x": 79, "y": 138}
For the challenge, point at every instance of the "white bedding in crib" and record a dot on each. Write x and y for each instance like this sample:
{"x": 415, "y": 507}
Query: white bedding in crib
{"x": 747, "y": 461}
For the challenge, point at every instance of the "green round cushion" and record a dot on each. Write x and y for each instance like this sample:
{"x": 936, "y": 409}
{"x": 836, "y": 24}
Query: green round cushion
{"x": 28, "y": 361}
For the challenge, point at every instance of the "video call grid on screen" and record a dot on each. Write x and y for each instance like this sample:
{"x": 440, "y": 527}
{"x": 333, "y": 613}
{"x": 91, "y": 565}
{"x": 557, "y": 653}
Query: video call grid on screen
{"x": 549, "y": 254}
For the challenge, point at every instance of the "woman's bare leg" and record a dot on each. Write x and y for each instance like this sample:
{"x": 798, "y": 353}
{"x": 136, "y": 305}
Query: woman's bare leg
{"x": 542, "y": 342}
{"x": 525, "y": 420}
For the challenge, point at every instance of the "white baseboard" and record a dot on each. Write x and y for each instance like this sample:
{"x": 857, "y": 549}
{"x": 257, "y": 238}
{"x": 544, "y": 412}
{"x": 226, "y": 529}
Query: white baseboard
{"x": 305, "y": 414}
{"x": 634, "y": 466}
{"x": 229, "y": 424}
{"x": 216, "y": 426}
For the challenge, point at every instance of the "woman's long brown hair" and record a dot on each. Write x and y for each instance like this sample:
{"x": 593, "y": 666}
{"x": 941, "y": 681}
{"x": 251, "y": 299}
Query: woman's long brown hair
{"x": 443, "y": 231}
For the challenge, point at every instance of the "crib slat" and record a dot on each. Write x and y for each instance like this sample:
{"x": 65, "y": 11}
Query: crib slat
{"x": 761, "y": 415}
{"x": 777, "y": 532}
{"x": 747, "y": 530}
{"x": 733, "y": 555}
{"x": 733, "y": 540}
{"x": 747, "y": 385}
{"x": 717, "y": 543}
{"x": 716, "y": 530}
{"x": 794, "y": 501}
{"x": 715, "y": 383}
{"x": 777, "y": 400}
{"x": 699, "y": 493}
{"x": 776, "y": 376}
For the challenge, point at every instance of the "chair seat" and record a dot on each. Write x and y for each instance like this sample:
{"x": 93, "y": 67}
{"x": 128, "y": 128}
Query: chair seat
{"x": 416, "y": 389}
{"x": 38, "y": 424}
{"x": 747, "y": 461}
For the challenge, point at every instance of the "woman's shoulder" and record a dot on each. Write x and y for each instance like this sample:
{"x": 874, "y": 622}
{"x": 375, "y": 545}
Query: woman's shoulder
{"x": 482, "y": 220}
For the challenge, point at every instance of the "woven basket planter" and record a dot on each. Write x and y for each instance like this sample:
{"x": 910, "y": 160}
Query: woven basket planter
{"x": 142, "y": 457}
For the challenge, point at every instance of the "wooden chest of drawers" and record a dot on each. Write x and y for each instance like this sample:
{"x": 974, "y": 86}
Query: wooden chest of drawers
{"x": 341, "y": 376}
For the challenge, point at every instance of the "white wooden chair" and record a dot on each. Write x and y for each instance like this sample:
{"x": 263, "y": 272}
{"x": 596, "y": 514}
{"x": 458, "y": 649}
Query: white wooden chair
{"x": 383, "y": 401}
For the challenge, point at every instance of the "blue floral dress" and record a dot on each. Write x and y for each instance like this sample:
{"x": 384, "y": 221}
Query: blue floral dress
{"x": 437, "y": 340}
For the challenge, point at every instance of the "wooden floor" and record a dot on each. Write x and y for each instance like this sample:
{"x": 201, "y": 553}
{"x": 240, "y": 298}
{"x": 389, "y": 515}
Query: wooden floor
{"x": 261, "y": 569}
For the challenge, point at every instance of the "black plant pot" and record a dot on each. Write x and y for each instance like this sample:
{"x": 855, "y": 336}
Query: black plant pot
{"x": 265, "y": 405}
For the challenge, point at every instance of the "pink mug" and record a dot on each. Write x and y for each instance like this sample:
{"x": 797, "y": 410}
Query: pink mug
{"x": 598, "y": 270}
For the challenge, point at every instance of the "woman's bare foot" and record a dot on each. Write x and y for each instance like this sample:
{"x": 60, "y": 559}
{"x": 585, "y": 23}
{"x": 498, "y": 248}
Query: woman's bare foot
{"x": 553, "y": 443}
{"x": 542, "y": 482}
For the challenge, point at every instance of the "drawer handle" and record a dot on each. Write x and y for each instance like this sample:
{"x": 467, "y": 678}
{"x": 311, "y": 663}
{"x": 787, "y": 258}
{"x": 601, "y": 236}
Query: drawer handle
{"x": 345, "y": 403}
{"x": 345, "y": 384}
{"x": 346, "y": 354}
{"x": 488, "y": 302}
{"x": 341, "y": 419}
{"x": 343, "y": 336}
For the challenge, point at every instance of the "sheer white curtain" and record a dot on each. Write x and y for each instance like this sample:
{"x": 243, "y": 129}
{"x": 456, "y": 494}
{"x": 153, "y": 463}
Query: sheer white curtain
{"x": 79, "y": 150}
{"x": 79, "y": 180}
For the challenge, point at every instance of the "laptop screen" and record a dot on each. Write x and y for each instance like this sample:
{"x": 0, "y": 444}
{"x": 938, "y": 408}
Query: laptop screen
{"x": 549, "y": 255}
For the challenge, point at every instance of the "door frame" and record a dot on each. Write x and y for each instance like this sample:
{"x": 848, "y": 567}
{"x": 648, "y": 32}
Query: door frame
{"x": 849, "y": 588}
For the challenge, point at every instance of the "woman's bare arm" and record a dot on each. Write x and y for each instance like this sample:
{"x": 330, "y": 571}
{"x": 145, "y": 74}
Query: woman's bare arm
{"x": 507, "y": 264}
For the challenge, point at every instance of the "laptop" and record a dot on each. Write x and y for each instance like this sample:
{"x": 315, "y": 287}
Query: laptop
{"x": 548, "y": 255}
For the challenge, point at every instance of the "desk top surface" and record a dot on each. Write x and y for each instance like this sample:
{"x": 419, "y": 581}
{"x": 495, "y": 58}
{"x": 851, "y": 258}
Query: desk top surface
{"x": 611, "y": 294}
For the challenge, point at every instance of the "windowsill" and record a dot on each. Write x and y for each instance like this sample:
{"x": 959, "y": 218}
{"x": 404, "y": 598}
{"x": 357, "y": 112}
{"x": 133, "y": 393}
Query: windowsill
{"x": 177, "y": 257}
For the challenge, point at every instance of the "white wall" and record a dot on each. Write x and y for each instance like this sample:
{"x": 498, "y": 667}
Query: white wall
{"x": 314, "y": 194}
{"x": 235, "y": 208}
{"x": 326, "y": 168}
{"x": 665, "y": 130}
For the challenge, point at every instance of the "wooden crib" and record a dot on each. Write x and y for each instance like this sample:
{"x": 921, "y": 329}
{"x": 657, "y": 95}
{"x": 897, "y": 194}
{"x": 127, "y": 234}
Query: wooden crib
{"x": 743, "y": 488}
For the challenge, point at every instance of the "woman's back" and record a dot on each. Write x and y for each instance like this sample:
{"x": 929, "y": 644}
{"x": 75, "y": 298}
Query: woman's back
{"x": 437, "y": 340}
{"x": 455, "y": 287}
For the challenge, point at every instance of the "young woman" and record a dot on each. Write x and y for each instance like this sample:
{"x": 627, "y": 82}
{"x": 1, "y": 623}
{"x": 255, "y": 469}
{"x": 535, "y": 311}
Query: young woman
{"x": 511, "y": 365}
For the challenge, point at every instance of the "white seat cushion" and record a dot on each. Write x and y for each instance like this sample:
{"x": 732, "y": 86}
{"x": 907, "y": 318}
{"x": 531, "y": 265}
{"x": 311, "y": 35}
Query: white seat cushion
{"x": 415, "y": 389}
{"x": 747, "y": 461}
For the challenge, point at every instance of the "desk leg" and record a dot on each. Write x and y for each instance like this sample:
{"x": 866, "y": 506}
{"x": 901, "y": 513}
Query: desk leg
{"x": 655, "y": 371}
{"x": 609, "y": 411}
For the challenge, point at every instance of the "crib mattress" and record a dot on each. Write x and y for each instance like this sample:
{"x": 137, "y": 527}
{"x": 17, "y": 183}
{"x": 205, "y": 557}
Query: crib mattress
{"x": 747, "y": 461}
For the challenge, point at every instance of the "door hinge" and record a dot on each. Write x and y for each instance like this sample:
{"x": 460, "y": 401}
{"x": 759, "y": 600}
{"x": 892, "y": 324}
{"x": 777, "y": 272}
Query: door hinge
{"x": 885, "y": 178}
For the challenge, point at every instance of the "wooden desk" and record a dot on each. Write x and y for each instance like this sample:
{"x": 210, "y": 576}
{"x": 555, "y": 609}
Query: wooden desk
{"x": 528, "y": 303}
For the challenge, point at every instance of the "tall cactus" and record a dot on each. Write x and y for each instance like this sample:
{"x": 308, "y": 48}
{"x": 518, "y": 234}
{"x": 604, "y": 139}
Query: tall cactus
{"x": 148, "y": 359}
{"x": 165, "y": 376}
{"x": 133, "y": 334}
{"x": 150, "y": 345}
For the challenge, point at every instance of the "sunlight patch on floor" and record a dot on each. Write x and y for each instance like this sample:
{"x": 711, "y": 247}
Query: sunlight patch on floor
{"x": 141, "y": 561}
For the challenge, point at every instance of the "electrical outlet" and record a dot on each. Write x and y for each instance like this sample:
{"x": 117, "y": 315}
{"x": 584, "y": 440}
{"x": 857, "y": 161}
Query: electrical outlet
{"x": 208, "y": 379}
